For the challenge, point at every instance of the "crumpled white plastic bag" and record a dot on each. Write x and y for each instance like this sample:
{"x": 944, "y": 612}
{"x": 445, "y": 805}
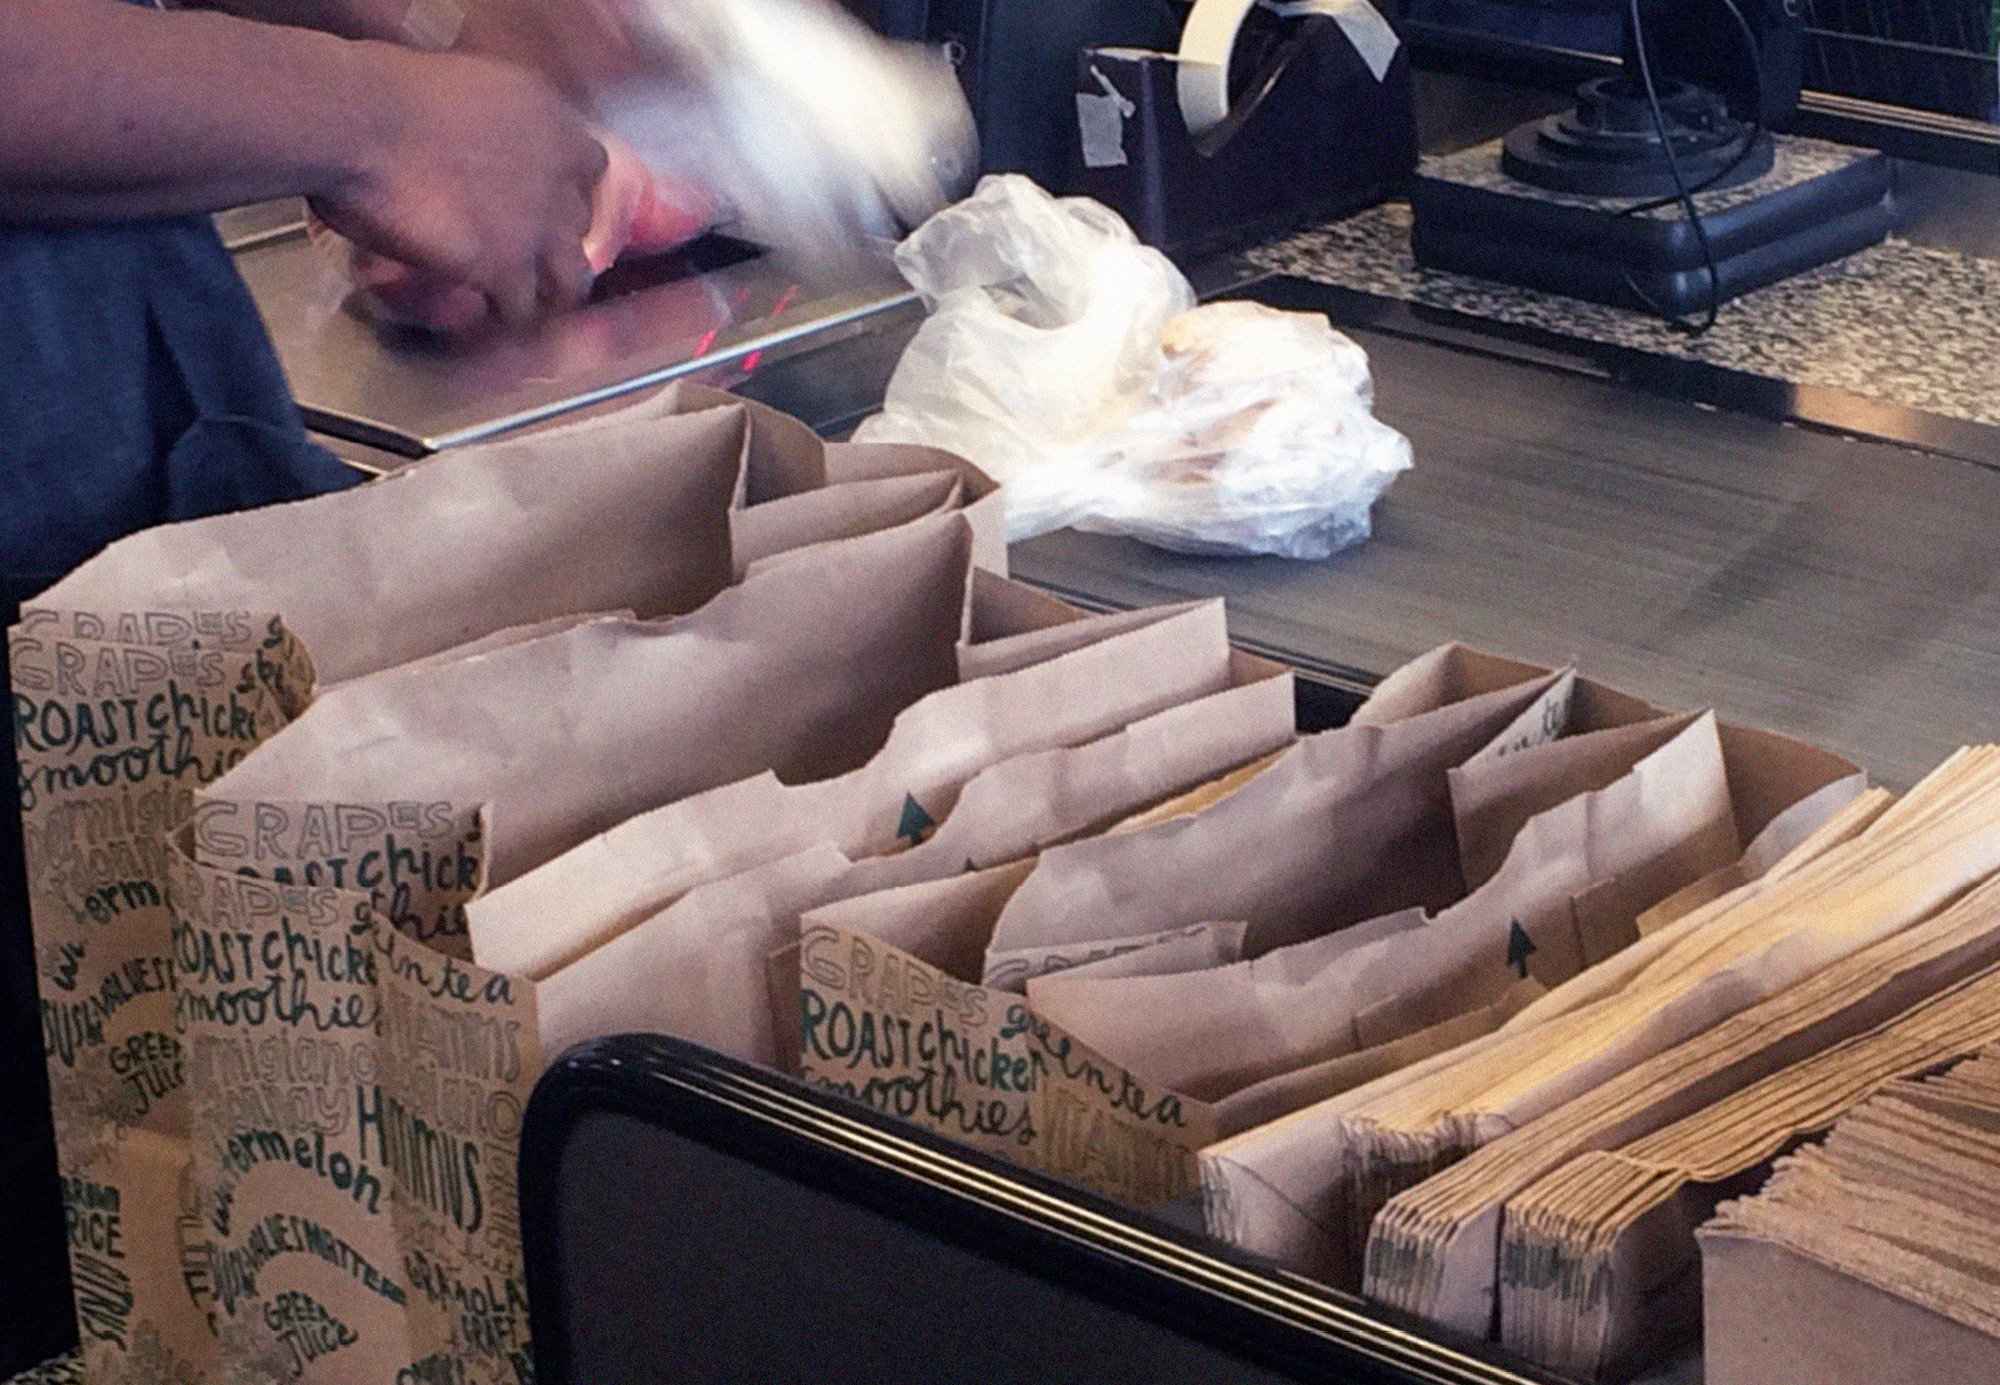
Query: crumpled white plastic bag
{"x": 1070, "y": 363}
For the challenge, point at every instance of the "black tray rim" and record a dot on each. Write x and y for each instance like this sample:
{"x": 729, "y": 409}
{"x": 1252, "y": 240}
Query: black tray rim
{"x": 1196, "y": 1286}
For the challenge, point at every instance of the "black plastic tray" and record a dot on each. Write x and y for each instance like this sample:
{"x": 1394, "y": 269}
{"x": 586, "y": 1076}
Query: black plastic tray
{"x": 692, "y": 1218}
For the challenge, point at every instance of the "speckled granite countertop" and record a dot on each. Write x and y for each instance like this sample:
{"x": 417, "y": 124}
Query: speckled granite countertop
{"x": 1793, "y": 161}
{"x": 1907, "y": 324}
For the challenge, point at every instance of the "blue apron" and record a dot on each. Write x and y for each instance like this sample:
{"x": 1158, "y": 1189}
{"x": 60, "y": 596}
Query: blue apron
{"x": 136, "y": 387}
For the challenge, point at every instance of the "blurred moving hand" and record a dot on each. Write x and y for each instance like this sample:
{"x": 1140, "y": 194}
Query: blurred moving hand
{"x": 480, "y": 173}
{"x": 630, "y": 210}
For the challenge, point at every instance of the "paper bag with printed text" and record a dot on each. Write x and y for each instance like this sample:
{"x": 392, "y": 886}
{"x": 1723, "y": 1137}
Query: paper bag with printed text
{"x": 380, "y": 793}
{"x": 978, "y": 1065}
{"x": 158, "y": 665}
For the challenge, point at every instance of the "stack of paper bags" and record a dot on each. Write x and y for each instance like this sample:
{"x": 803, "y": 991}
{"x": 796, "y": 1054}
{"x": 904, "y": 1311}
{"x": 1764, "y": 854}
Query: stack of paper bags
{"x": 909, "y": 997}
{"x": 694, "y": 725}
{"x": 1229, "y": 940}
{"x": 1566, "y": 840}
{"x": 668, "y": 920}
{"x": 1599, "y": 1273}
{"x": 1536, "y": 842}
{"x": 1664, "y": 812}
{"x": 881, "y": 994}
{"x": 159, "y": 666}
{"x": 1433, "y": 1165}
{"x": 1871, "y": 1256}
{"x": 1609, "y": 1070}
{"x": 347, "y": 844}
{"x": 627, "y": 817}
{"x": 640, "y": 927}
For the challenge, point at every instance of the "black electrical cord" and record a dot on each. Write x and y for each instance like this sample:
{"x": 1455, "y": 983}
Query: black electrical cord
{"x": 1683, "y": 194}
{"x": 1754, "y": 130}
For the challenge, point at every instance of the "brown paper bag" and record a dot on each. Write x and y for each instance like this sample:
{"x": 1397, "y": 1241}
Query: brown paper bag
{"x": 1870, "y": 1257}
{"x": 795, "y": 491}
{"x": 984, "y": 508}
{"x": 1667, "y": 820}
{"x": 114, "y": 735}
{"x": 1494, "y": 796}
{"x": 1212, "y": 1032}
{"x": 1029, "y": 636}
{"x": 580, "y": 730}
{"x": 619, "y": 983}
{"x": 1197, "y": 947}
{"x": 943, "y": 923}
{"x": 452, "y": 548}
{"x": 1670, "y": 1041}
{"x": 1020, "y": 806}
{"x": 319, "y": 806}
{"x": 698, "y": 968}
{"x": 1293, "y": 1190}
{"x": 1453, "y": 673}
{"x": 1768, "y": 773}
{"x": 1346, "y": 825}
{"x": 1784, "y": 1316}
{"x": 839, "y": 512}
{"x": 908, "y": 1038}
{"x": 906, "y": 786}
{"x": 777, "y": 455}
{"x": 162, "y": 632}
{"x": 1373, "y": 984}
{"x": 1893, "y": 1008}
{"x": 1293, "y": 1090}
{"x": 356, "y": 1108}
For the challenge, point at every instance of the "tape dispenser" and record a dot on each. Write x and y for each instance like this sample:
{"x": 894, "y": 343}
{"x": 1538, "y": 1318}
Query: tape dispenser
{"x": 1247, "y": 117}
{"x": 1271, "y": 113}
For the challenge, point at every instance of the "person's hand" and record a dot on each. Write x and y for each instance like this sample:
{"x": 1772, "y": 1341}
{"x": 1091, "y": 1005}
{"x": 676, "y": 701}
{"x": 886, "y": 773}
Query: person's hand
{"x": 481, "y": 176}
{"x": 631, "y": 210}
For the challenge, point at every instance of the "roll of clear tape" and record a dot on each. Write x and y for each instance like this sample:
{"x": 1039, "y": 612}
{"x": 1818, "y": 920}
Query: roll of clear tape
{"x": 1209, "y": 38}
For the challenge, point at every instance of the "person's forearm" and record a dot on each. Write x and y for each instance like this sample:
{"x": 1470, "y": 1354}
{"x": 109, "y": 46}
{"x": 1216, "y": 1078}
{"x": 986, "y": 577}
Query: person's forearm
{"x": 458, "y": 166}
{"x": 114, "y": 111}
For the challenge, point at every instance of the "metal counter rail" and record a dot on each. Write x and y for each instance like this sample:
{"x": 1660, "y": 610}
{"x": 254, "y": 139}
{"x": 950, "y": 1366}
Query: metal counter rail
{"x": 710, "y": 309}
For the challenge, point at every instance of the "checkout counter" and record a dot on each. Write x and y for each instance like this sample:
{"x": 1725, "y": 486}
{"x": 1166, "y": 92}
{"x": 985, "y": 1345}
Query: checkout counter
{"x": 1812, "y": 561}
{"x": 1804, "y": 557}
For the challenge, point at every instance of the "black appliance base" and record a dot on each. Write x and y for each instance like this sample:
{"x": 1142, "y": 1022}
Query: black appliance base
{"x": 1584, "y": 248}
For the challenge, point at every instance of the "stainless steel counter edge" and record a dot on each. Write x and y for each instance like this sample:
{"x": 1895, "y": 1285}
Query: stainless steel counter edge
{"x": 825, "y": 319}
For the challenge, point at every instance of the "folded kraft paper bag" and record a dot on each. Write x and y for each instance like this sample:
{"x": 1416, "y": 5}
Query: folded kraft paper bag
{"x": 218, "y": 1043}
